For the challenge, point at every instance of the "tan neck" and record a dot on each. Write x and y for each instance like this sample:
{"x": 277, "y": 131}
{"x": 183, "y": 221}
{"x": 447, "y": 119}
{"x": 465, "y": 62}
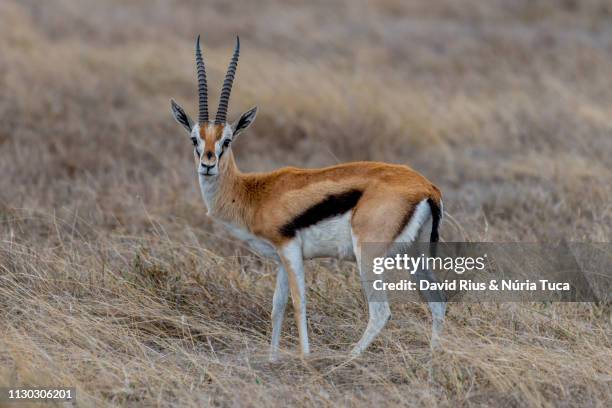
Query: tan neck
{"x": 229, "y": 168}
{"x": 224, "y": 195}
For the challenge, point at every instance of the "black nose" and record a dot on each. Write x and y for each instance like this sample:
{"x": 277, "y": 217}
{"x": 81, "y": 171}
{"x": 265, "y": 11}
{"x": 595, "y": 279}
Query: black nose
{"x": 209, "y": 155}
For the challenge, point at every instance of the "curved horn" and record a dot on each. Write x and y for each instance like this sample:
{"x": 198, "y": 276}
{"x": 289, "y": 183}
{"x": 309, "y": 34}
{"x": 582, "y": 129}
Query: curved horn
{"x": 227, "y": 86}
{"x": 202, "y": 87}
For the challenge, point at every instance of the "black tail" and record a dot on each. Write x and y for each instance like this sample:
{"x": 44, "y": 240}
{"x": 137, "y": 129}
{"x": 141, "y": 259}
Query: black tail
{"x": 436, "y": 214}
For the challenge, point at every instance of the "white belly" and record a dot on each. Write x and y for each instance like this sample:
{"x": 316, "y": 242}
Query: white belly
{"x": 330, "y": 237}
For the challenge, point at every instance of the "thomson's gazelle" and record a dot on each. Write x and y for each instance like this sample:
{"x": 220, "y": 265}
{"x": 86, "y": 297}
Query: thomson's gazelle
{"x": 294, "y": 214}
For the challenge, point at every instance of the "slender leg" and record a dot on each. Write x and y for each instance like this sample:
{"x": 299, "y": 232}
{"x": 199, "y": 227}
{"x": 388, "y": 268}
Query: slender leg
{"x": 279, "y": 301}
{"x": 376, "y": 220}
{"x": 379, "y": 315}
{"x": 436, "y": 300}
{"x": 438, "y": 310}
{"x": 378, "y": 311}
{"x": 291, "y": 256}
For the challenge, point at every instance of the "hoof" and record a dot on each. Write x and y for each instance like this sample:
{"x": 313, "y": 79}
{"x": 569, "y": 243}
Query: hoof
{"x": 274, "y": 355}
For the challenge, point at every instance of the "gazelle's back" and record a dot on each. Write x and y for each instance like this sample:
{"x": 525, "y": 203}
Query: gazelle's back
{"x": 297, "y": 199}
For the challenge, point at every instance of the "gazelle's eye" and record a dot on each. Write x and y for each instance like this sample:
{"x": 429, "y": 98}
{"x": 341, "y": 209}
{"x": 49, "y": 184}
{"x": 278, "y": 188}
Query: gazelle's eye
{"x": 226, "y": 142}
{"x": 194, "y": 141}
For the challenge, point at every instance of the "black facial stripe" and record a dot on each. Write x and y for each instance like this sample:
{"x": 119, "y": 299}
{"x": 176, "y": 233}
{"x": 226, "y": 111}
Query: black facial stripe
{"x": 224, "y": 146}
{"x": 331, "y": 206}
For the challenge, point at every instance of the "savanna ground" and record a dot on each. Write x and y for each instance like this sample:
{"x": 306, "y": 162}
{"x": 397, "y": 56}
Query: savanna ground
{"x": 114, "y": 281}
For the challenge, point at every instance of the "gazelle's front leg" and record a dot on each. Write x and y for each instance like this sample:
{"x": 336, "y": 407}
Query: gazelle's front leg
{"x": 279, "y": 301}
{"x": 291, "y": 257}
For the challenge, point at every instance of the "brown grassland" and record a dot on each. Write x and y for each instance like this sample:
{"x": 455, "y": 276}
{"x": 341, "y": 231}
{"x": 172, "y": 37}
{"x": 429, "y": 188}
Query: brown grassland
{"x": 114, "y": 281}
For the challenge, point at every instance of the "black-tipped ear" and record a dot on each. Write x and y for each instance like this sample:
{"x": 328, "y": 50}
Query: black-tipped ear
{"x": 180, "y": 116}
{"x": 245, "y": 120}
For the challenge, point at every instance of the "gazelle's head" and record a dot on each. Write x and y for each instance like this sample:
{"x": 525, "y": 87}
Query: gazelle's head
{"x": 211, "y": 139}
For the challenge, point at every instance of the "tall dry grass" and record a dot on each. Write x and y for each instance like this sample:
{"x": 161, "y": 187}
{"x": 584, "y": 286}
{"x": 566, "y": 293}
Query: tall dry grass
{"x": 113, "y": 280}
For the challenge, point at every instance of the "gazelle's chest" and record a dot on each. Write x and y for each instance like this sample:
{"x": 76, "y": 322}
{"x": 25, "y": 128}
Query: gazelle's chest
{"x": 259, "y": 245}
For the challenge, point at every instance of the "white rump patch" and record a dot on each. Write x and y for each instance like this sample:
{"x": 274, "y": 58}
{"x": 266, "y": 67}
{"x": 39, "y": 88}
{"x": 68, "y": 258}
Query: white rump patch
{"x": 422, "y": 213}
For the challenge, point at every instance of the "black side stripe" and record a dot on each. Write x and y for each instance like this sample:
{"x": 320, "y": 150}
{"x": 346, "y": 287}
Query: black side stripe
{"x": 331, "y": 206}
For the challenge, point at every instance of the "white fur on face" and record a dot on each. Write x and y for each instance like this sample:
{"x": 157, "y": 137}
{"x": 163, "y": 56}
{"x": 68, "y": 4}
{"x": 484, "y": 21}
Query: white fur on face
{"x": 218, "y": 148}
{"x": 195, "y": 132}
{"x": 227, "y": 134}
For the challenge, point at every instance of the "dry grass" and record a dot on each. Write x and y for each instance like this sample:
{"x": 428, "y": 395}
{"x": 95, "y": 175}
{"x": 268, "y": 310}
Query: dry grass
{"x": 113, "y": 280}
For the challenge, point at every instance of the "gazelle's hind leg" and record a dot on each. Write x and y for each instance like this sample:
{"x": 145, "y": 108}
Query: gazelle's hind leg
{"x": 438, "y": 311}
{"x": 383, "y": 223}
{"x": 435, "y": 298}
{"x": 378, "y": 221}
{"x": 378, "y": 311}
